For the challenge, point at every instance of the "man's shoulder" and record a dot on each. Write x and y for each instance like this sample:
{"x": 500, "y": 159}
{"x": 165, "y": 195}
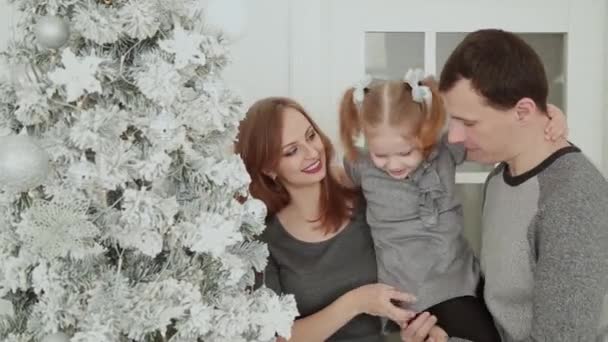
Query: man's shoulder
{"x": 573, "y": 179}
{"x": 574, "y": 199}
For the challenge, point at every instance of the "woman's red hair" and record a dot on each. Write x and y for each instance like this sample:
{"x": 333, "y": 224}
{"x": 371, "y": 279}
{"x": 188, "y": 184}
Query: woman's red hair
{"x": 259, "y": 145}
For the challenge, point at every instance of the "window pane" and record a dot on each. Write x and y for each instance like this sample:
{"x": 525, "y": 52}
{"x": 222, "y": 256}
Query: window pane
{"x": 551, "y": 49}
{"x": 388, "y": 55}
{"x": 471, "y": 196}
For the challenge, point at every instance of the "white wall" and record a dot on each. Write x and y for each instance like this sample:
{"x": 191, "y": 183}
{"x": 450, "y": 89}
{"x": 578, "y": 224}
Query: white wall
{"x": 260, "y": 66}
{"x": 605, "y": 114}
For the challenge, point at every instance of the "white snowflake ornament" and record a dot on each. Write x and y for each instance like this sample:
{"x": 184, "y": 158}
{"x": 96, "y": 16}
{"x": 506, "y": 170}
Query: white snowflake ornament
{"x": 77, "y": 75}
{"x": 186, "y": 45}
{"x": 211, "y": 233}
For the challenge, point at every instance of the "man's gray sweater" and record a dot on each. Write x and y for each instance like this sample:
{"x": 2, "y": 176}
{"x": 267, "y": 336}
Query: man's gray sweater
{"x": 544, "y": 250}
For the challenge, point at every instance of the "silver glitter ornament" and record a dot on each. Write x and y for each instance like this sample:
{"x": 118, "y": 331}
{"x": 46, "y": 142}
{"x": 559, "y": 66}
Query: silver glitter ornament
{"x": 56, "y": 337}
{"x": 23, "y": 163}
{"x": 52, "y": 32}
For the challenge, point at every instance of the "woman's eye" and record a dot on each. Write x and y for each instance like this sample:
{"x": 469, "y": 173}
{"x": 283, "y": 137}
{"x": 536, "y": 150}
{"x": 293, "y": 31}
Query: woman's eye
{"x": 291, "y": 151}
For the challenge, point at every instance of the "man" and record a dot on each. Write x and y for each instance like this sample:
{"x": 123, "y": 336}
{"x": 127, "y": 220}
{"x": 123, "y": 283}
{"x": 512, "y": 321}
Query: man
{"x": 544, "y": 250}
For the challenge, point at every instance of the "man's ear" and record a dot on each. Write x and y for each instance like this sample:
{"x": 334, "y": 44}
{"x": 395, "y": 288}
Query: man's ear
{"x": 525, "y": 108}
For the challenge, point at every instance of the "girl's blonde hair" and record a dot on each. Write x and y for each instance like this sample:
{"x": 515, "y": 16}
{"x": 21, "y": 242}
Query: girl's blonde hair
{"x": 391, "y": 102}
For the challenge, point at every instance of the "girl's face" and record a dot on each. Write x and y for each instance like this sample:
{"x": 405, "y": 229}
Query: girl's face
{"x": 394, "y": 150}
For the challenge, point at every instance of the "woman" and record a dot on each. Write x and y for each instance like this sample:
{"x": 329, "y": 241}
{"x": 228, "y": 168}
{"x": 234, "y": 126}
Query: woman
{"x": 320, "y": 246}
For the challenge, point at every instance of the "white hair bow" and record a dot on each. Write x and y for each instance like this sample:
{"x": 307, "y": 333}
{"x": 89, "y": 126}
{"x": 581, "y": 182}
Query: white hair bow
{"x": 420, "y": 93}
{"x": 360, "y": 86}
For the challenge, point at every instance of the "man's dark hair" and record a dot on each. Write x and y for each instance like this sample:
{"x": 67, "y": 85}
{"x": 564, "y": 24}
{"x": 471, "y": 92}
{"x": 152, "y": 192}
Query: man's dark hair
{"x": 501, "y": 67}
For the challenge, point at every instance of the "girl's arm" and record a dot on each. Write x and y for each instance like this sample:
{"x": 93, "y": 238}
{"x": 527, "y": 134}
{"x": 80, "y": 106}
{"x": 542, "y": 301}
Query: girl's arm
{"x": 558, "y": 124}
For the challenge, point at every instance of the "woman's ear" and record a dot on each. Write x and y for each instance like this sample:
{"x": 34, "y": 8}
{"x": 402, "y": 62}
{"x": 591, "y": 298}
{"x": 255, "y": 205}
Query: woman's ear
{"x": 271, "y": 174}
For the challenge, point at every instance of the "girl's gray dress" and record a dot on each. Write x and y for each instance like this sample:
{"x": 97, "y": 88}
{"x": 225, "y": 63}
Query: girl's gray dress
{"x": 417, "y": 227}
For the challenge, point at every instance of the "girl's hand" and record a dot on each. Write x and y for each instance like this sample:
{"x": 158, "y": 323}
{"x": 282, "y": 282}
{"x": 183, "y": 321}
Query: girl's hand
{"x": 423, "y": 329}
{"x": 558, "y": 125}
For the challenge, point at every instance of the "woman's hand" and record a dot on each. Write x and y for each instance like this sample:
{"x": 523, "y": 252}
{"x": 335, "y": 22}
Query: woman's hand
{"x": 378, "y": 300}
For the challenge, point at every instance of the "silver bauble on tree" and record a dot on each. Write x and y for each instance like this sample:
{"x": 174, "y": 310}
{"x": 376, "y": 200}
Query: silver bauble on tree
{"x": 52, "y": 32}
{"x": 6, "y": 308}
{"x": 56, "y": 337}
{"x": 23, "y": 163}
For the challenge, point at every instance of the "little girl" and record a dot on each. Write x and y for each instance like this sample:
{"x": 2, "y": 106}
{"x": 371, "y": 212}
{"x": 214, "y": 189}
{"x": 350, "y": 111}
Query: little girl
{"x": 407, "y": 175}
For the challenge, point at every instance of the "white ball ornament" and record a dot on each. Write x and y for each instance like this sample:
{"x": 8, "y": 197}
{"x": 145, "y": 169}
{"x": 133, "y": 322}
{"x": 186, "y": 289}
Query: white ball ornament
{"x": 52, "y": 32}
{"x": 23, "y": 163}
{"x": 56, "y": 337}
{"x": 6, "y": 308}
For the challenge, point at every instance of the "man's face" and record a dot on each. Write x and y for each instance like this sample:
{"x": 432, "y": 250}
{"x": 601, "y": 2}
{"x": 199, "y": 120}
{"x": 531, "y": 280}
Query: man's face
{"x": 487, "y": 133}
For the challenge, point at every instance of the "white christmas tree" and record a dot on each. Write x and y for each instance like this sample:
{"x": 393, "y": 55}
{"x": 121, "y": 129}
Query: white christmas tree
{"x": 124, "y": 215}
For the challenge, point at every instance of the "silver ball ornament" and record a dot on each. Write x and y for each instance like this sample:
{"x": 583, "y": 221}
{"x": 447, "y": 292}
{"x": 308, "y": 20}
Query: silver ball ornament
{"x": 56, "y": 337}
{"x": 52, "y": 32}
{"x": 23, "y": 163}
{"x": 6, "y": 308}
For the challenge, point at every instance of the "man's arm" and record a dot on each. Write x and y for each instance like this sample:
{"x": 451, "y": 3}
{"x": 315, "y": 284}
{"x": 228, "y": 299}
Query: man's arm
{"x": 571, "y": 274}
